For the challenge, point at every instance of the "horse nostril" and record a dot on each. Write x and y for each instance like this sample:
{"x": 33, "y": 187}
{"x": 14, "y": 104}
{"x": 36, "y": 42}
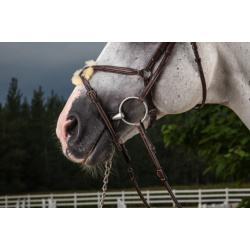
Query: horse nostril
{"x": 71, "y": 126}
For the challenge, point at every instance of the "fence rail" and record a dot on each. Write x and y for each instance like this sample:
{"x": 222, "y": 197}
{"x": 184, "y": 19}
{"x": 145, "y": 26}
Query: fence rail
{"x": 123, "y": 198}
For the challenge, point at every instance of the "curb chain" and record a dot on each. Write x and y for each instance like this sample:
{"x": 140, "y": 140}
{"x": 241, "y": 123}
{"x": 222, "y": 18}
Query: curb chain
{"x": 105, "y": 181}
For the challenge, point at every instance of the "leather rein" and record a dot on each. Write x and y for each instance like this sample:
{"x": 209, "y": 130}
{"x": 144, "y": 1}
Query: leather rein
{"x": 164, "y": 49}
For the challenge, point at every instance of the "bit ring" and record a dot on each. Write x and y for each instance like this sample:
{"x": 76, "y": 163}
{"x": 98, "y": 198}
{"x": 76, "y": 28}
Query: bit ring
{"x": 137, "y": 98}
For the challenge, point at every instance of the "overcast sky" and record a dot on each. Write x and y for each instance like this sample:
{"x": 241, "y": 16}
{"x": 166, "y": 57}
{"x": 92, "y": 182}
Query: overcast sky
{"x": 50, "y": 65}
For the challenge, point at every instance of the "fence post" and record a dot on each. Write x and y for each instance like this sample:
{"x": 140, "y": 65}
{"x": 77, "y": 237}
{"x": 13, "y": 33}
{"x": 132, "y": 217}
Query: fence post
{"x": 6, "y": 201}
{"x": 98, "y": 199}
{"x": 43, "y": 203}
{"x": 174, "y": 195}
{"x": 23, "y": 203}
{"x": 51, "y": 197}
{"x": 75, "y": 200}
{"x": 123, "y": 196}
{"x": 199, "y": 198}
{"x": 148, "y": 197}
{"x": 227, "y": 198}
{"x": 18, "y": 203}
{"x": 28, "y": 200}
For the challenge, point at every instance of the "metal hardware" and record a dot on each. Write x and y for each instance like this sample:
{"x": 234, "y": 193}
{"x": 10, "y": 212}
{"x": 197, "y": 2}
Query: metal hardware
{"x": 148, "y": 72}
{"x": 105, "y": 181}
{"x": 120, "y": 110}
{"x": 119, "y": 116}
{"x": 151, "y": 111}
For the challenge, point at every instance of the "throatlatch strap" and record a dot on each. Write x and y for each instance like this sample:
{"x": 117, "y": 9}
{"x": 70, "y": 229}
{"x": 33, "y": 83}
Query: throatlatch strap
{"x": 203, "y": 80}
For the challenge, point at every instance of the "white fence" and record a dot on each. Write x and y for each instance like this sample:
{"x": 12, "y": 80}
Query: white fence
{"x": 222, "y": 205}
{"x": 197, "y": 197}
{"x": 121, "y": 204}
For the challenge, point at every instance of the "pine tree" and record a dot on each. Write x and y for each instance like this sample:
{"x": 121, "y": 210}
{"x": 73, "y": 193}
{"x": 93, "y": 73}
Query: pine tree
{"x": 37, "y": 175}
{"x": 13, "y": 153}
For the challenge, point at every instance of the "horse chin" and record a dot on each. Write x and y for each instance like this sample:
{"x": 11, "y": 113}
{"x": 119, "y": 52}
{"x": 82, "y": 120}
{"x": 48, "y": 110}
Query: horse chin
{"x": 102, "y": 151}
{"x": 100, "y": 155}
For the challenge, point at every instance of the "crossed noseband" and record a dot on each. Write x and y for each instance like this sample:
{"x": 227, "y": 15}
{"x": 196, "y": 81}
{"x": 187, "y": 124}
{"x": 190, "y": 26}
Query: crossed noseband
{"x": 164, "y": 49}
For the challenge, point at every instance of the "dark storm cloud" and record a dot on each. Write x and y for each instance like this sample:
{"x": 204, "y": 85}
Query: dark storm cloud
{"x": 50, "y": 65}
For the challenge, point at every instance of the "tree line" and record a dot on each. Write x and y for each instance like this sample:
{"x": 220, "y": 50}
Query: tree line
{"x": 31, "y": 159}
{"x": 217, "y": 136}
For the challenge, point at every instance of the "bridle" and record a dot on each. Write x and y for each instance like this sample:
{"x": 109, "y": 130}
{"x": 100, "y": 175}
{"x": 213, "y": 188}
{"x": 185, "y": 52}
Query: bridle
{"x": 165, "y": 50}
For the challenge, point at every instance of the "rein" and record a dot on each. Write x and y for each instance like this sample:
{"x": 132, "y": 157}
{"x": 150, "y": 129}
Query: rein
{"x": 164, "y": 49}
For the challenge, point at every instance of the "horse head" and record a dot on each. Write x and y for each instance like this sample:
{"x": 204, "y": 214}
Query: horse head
{"x": 82, "y": 131}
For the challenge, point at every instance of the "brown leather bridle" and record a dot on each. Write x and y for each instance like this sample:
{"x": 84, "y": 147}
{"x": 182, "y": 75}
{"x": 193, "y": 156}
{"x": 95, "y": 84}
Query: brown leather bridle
{"x": 164, "y": 49}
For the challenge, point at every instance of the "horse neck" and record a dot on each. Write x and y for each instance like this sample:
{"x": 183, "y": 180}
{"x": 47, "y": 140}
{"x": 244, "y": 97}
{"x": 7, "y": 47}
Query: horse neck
{"x": 229, "y": 85}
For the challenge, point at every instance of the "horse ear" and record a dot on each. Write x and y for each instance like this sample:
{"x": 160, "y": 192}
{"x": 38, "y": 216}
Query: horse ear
{"x": 76, "y": 79}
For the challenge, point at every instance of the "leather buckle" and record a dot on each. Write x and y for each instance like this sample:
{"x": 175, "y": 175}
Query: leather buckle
{"x": 90, "y": 93}
{"x": 169, "y": 52}
{"x": 131, "y": 174}
{"x": 150, "y": 113}
{"x": 161, "y": 174}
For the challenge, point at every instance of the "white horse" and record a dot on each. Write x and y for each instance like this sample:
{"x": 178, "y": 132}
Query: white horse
{"x": 80, "y": 128}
